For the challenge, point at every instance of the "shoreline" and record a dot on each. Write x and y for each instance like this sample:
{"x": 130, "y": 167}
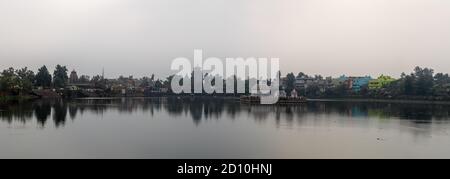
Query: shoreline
{"x": 5, "y": 99}
{"x": 379, "y": 100}
{"x": 308, "y": 100}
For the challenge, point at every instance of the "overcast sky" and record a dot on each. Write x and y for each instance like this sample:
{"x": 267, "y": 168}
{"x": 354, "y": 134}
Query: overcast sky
{"x": 141, "y": 37}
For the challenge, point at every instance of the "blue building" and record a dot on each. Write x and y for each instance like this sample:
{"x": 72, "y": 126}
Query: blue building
{"x": 354, "y": 83}
{"x": 359, "y": 82}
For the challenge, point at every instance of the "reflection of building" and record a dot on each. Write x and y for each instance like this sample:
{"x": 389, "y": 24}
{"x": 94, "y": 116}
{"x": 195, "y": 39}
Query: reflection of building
{"x": 73, "y": 77}
{"x": 381, "y": 82}
{"x": 358, "y": 112}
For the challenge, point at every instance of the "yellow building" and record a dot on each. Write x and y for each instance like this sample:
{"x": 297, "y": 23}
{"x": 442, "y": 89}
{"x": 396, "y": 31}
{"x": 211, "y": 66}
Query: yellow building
{"x": 381, "y": 82}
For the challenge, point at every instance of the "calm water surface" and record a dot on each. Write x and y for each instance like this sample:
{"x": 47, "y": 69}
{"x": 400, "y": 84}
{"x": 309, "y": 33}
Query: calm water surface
{"x": 218, "y": 128}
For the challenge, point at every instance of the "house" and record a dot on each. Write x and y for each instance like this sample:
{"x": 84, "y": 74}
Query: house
{"x": 359, "y": 82}
{"x": 302, "y": 82}
{"x": 354, "y": 83}
{"x": 381, "y": 82}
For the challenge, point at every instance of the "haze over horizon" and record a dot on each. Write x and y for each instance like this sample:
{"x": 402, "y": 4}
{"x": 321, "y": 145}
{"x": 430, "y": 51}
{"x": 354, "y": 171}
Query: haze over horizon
{"x": 142, "y": 37}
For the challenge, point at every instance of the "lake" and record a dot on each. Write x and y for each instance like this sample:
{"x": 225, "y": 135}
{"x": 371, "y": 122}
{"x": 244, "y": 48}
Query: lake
{"x": 222, "y": 128}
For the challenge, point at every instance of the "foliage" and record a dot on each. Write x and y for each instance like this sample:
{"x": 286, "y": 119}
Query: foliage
{"x": 60, "y": 77}
{"x": 290, "y": 83}
{"x": 9, "y": 80}
{"x": 422, "y": 83}
{"x": 25, "y": 79}
{"x": 17, "y": 81}
{"x": 84, "y": 79}
{"x": 43, "y": 77}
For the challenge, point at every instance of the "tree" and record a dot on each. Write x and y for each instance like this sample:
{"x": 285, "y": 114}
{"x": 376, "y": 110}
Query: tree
{"x": 312, "y": 91}
{"x": 364, "y": 90}
{"x": 318, "y": 77}
{"x": 97, "y": 81}
{"x": 441, "y": 79}
{"x": 26, "y": 79}
{"x": 442, "y": 85}
{"x": 159, "y": 84}
{"x": 301, "y": 74}
{"x": 8, "y": 80}
{"x": 152, "y": 78}
{"x": 145, "y": 82}
{"x": 341, "y": 90}
{"x": 60, "y": 77}
{"x": 43, "y": 77}
{"x": 424, "y": 82}
{"x": 408, "y": 85}
{"x": 290, "y": 83}
{"x": 84, "y": 79}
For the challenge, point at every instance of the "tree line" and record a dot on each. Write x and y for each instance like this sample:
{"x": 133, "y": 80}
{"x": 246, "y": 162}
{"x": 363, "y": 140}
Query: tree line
{"x": 22, "y": 81}
{"x": 422, "y": 83}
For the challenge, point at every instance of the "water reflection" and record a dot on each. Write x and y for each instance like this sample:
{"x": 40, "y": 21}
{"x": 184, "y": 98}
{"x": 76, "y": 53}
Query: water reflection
{"x": 213, "y": 108}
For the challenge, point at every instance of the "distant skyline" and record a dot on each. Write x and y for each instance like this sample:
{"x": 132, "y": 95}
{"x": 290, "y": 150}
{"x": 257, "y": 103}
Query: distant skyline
{"x": 142, "y": 37}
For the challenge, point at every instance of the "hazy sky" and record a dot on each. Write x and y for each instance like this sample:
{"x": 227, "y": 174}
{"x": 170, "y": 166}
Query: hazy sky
{"x": 141, "y": 37}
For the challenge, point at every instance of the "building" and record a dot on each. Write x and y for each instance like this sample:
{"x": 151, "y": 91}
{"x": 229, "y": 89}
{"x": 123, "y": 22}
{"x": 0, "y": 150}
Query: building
{"x": 73, "y": 77}
{"x": 302, "y": 82}
{"x": 354, "y": 83}
{"x": 359, "y": 82}
{"x": 381, "y": 82}
{"x": 335, "y": 82}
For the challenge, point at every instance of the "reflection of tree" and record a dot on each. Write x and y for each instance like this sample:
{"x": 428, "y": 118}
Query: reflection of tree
{"x": 232, "y": 109}
{"x": 196, "y": 112}
{"x": 60, "y": 113}
{"x": 174, "y": 107}
{"x": 73, "y": 110}
{"x": 42, "y": 110}
{"x": 21, "y": 112}
{"x": 207, "y": 108}
{"x": 289, "y": 114}
{"x": 213, "y": 108}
